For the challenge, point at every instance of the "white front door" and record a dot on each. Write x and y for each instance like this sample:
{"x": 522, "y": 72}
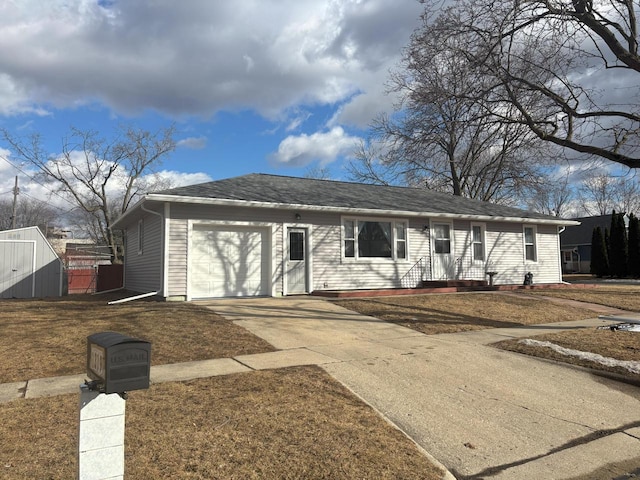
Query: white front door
{"x": 296, "y": 263}
{"x": 443, "y": 262}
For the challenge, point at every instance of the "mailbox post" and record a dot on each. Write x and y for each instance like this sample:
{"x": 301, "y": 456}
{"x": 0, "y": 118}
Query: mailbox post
{"x": 116, "y": 364}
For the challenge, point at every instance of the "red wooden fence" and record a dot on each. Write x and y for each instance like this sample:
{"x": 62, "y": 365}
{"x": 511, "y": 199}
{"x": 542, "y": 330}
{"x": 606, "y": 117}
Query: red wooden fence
{"x": 81, "y": 280}
{"x": 109, "y": 277}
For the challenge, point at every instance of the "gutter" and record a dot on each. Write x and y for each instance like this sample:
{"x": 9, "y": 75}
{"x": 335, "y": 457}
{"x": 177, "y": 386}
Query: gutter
{"x": 346, "y": 210}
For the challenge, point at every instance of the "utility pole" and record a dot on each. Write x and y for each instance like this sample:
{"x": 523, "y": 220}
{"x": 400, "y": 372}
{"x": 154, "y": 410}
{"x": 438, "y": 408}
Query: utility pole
{"x": 16, "y": 190}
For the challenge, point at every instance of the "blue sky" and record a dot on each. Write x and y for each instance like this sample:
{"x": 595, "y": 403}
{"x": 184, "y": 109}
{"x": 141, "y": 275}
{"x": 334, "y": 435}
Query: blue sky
{"x": 273, "y": 86}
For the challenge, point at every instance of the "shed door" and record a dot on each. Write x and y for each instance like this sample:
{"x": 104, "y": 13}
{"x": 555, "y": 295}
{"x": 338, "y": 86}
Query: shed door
{"x": 443, "y": 264}
{"x": 228, "y": 262}
{"x": 17, "y": 275}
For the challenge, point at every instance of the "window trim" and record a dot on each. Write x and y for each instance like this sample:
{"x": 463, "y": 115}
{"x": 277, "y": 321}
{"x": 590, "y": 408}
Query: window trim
{"x": 472, "y": 242}
{"x": 433, "y": 238}
{"x": 394, "y": 240}
{"x": 140, "y": 236}
{"x": 534, "y": 231}
{"x": 304, "y": 247}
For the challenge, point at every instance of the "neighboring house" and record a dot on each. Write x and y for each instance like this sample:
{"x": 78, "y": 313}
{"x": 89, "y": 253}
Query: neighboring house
{"x": 82, "y": 259}
{"x": 29, "y": 266}
{"x": 86, "y": 254}
{"x": 271, "y": 235}
{"x": 575, "y": 242}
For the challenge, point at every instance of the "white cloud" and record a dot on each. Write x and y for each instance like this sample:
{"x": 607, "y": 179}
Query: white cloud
{"x": 200, "y": 58}
{"x": 323, "y": 147}
{"x": 179, "y": 179}
{"x": 5, "y": 166}
{"x": 33, "y": 187}
{"x": 193, "y": 143}
{"x": 297, "y": 121}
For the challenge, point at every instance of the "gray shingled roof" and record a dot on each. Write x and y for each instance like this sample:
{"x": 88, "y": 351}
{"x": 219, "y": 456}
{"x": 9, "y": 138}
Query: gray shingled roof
{"x": 581, "y": 234}
{"x": 328, "y": 193}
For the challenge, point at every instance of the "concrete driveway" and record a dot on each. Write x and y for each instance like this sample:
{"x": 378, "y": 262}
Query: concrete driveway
{"x": 482, "y": 412}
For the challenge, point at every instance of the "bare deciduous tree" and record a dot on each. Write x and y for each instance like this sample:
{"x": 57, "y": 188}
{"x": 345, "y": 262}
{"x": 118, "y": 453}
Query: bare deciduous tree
{"x": 29, "y": 213}
{"x": 102, "y": 177}
{"x": 601, "y": 193}
{"x": 565, "y": 69}
{"x": 551, "y": 197}
{"x": 441, "y": 135}
{"x": 318, "y": 172}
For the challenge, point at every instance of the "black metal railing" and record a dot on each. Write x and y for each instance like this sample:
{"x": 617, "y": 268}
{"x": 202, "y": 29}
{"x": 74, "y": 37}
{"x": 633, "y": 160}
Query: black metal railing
{"x": 416, "y": 274}
{"x": 467, "y": 269}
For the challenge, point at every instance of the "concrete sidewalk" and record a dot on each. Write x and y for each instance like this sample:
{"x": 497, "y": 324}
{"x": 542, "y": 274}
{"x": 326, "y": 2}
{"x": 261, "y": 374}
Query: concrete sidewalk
{"x": 479, "y": 411}
{"x": 174, "y": 372}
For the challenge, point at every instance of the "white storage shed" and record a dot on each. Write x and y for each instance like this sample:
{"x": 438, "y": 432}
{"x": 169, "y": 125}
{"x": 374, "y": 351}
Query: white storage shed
{"x": 29, "y": 267}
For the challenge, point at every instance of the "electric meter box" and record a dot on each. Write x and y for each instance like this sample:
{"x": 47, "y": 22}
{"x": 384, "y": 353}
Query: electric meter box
{"x": 118, "y": 363}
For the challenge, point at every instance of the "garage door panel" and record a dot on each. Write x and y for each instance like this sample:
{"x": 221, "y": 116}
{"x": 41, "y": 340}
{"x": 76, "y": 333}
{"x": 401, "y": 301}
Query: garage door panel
{"x": 228, "y": 262}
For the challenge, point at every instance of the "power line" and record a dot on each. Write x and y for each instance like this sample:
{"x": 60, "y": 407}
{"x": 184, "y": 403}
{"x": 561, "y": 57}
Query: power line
{"x": 36, "y": 181}
{"x": 75, "y": 207}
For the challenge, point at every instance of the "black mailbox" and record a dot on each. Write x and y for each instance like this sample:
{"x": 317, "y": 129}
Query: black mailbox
{"x": 118, "y": 363}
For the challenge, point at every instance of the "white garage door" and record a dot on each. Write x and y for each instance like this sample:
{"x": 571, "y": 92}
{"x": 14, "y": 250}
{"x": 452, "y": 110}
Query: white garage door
{"x": 228, "y": 262}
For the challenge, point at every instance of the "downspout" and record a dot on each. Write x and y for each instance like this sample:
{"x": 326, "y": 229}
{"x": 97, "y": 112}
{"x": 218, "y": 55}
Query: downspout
{"x": 162, "y": 243}
{"x": 560, "y": 230}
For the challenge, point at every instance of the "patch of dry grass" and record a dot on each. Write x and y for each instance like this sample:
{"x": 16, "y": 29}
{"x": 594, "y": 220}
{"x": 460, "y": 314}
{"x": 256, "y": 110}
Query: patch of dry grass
{"x": 624, "y": 297}
{"x": 620, "y": 345}
{"x": 42, "y": 338}
{"x": 445, "y": 313}
{"x": 279, "y": 424}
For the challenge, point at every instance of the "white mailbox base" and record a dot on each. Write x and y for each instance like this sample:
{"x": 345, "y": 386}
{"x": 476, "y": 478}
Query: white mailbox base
{"x": 101, "y": 438}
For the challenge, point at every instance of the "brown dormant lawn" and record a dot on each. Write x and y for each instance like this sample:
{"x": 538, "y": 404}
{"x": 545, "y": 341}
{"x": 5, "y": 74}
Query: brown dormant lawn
{"x": 51, "y": 335}
{"x": 625, "y": 297}
{"x": 278, "y": 424}
{"x": 619, "y": 345}
{"x": 445, "y": 313}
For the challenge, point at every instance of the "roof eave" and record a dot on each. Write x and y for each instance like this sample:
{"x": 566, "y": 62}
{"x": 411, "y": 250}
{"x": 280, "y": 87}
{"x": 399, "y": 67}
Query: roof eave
{"x": 121, "y": 219}
{"x": 347, "y": 210}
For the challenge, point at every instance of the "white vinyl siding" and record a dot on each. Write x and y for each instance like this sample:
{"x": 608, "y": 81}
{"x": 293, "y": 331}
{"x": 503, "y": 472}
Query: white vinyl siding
{"x": 143, "y": 272}
{"x": 176, "y": 269}
{"x": 505, "y": 253}
{"x": 329, "y": 269}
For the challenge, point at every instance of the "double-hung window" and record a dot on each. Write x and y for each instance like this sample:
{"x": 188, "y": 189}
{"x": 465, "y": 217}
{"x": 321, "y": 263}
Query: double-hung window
{"x": 530, "y": 248}
{"x": 477, "y": 242}
{"x": 364, "y": 238}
